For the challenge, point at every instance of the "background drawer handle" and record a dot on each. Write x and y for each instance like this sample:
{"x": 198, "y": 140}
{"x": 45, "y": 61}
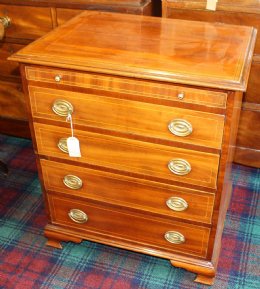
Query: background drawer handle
{"x": 72, "y": 182}
{"x": 177, "y": 204}
{"x": 62, "y": 145}
{"x": 174, "y": 237}
{"x": 62, "y": 107}
{"x": 5, "y": 21}
{"x": 179, "y": 167}
{"x": 78, "y": 216}
{"x": 180, "y": 127}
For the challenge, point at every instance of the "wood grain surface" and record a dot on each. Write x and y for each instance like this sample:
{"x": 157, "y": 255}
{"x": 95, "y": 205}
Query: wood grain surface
{"x": 146, "y": 49}
{"x": 131, "y": 117}
{"x": 128, "y": 191}
{"x": 124, "y": 82}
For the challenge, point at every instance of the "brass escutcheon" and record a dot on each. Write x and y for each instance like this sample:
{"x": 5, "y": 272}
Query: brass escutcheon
{"x": 57, "y": 78}
{"x": 180, "y": 95}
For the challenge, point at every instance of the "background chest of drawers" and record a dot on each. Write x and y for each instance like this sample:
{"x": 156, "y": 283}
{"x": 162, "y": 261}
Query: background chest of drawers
{"x": 29, "y": 21}
{"x": 156, "y": 120}
{"x": 239, "y": 13}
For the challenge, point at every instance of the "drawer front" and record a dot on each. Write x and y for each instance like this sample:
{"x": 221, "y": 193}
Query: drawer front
{"x": 107, "y": 223}
{"x": 9, "y": 68}
{"x": 63, "y": 15}
{"x": 140, "y": 7}
{"x": 145, "y": 195}
{"x": 253, "y": 92}
{"x": 144, "y": 119}
{"x": 148, "y": 89}
{"x": 179, "y": 11}
{"x": 249, "y": 138}
{"x": 27, "y": 22}
{"x": 12, "y": 101}
{"x": 152, "y": 160}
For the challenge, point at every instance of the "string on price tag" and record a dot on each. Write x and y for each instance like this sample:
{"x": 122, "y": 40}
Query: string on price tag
{"x": 72, "y": 142}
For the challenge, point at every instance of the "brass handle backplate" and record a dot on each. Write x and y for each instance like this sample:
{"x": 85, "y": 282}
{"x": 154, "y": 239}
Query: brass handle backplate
{"x": 174, "y": 237}
{"x": 177, "y": 204}
{"x": 78, "y": 216}
{"x": 180, "y": 127}
{"x": 179, "y": 167}
{"x": 62, "y": 145}
{"x": 72, "y": 182}
{"x": 62, "y": 107}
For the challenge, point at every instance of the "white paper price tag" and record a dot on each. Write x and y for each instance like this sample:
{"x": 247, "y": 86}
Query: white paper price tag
{"x": 211, "y": 5}
{"x": 73, "y": 147}
{"x": 73, "y": 142}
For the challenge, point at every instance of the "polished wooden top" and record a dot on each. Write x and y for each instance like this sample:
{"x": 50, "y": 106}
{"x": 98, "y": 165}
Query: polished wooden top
{"x": 206, "y": 54}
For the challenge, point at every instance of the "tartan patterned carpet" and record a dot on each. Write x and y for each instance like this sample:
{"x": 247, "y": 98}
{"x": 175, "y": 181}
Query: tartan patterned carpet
{"x": 26, "y": 263}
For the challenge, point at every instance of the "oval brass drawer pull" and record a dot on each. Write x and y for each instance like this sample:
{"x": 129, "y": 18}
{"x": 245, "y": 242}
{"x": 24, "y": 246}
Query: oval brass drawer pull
{"x": 72, "y": 182}
{"x": 174, "y": 237}
{"x": 177, "y": 204}
{"x": 180, "y": 127}
{"x": 62, "y": 145}
{"x": 179, "y": 167}
{"x": 78, "y": 216}
{"x": 62, "y": 107}
{"x": 5, "y": 20}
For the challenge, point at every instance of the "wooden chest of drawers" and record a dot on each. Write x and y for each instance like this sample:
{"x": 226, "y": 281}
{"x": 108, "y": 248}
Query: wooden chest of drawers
{"x": 30, "y": 20}
{"x": 245, "y": 12}
{"x": 156, "y": 120}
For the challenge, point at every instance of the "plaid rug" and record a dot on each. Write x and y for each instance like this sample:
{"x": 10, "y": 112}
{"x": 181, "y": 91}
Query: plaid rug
{"x": 26, "y": 263}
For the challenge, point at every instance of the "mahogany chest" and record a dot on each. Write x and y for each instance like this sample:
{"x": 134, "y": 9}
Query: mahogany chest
{"x": 244, "y": 12}
{"x": 154, "y": 104}
{"x": 29, "y": 20}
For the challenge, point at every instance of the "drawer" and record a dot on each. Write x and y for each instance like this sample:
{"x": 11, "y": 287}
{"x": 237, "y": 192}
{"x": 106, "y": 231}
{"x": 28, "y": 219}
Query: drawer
{"x": 9, "y": 68}
{"x": 126, "y": 191}
{"x": 246, "y": 14}
{"x": 253, "y": 92}
{"x": 63, "y": 15}
{"x": 143, "y": 7}
{"x": 151, "y": 160}
{"x": 128, "y": 116}
{"x": 12, "y": 101}
{"x": 27, "y": 22}
{"x": 108, "y": 223}
{"x": 140, "y": 88}
{"x": 249, "y": 138}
